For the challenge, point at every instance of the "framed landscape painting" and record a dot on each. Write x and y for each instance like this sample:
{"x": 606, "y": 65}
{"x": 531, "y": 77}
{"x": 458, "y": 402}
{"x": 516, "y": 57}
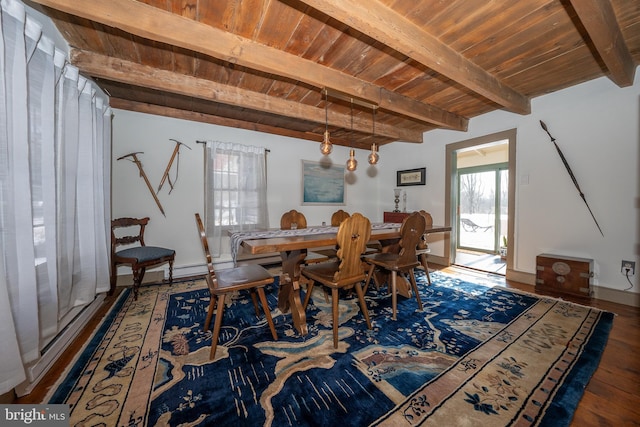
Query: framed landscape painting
{"x": 322, "y": 184}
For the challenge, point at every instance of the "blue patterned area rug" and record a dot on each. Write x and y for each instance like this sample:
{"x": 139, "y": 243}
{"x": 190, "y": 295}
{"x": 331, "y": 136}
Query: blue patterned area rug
{"x": 476, "y": 355}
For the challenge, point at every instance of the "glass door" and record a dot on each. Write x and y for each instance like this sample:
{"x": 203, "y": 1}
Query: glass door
{"x": 482, "y": 209}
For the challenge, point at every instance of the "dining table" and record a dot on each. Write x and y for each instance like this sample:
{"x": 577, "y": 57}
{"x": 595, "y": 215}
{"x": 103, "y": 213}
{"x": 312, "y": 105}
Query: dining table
{"x": 293, "y": 246}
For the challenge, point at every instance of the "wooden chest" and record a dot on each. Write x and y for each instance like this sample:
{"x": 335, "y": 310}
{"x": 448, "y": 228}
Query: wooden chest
{"x": 396, "y": 217}
{"x": 561, "y": 275}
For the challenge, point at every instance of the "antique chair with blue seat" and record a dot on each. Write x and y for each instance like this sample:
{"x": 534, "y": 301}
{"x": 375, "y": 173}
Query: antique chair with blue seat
{"x": 423, "y": 247}
{"x": 347, "y": 271}
{"x": 404, "y": 261}
{"x": 251, "y": 277}
{"x": 130, "y": 231}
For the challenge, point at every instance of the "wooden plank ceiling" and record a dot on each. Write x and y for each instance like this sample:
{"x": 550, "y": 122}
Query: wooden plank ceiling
{"x": 404, "y": 67}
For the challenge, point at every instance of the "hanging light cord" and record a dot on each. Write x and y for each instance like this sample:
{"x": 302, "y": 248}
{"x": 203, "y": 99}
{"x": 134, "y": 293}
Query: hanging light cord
{"x": 326, "y": 113}
{"x": 352, "y": 122}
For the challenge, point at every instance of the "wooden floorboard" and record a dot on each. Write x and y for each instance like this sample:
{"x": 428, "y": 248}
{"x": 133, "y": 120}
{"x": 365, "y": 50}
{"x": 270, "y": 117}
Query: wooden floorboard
{"x": 612, "y": 397}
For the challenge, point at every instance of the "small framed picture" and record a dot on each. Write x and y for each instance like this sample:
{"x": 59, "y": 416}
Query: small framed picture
{"x": 411, "y": 177}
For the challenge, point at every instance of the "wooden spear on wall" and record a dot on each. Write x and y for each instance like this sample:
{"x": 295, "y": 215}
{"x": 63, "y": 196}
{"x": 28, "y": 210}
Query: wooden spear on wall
{"x": 573, "y": 178}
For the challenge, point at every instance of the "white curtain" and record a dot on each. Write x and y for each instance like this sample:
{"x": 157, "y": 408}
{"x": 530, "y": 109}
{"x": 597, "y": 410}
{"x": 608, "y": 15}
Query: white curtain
{"x": 235, "y": 191}
{"x": 55, "y": 132}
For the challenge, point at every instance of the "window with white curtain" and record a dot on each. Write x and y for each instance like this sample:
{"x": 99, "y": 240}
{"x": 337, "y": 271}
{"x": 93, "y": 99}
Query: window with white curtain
{"x": 55, "y": 135}
{"x": 235, "y": 190}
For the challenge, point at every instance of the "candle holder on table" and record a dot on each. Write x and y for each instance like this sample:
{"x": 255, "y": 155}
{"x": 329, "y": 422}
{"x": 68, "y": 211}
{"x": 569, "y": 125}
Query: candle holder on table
{"x": 396, "y": 193}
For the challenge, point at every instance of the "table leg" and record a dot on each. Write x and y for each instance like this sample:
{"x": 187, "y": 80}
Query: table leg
{"x": 289, "y": 291}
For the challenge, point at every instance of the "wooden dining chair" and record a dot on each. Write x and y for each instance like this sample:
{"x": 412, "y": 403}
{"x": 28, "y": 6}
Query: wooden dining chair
{"x": 347, "y": 271}
{"x": 251, "y": 277}
{"x": 404, "y": 261}
{"x": 338, "y": 216}
{"x": 423, "y": 247}
{"x": 128, "y": 232}
{"x": 336, "y": 219}
{"x": 294, "y": 219}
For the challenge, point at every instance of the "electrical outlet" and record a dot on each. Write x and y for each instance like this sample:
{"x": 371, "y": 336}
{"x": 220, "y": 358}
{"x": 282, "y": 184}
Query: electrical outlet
{"x": 628, "y": 268}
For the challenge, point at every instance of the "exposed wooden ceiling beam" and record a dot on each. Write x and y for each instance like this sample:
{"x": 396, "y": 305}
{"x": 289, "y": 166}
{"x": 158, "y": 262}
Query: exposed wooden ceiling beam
{"x": 599, "y": 20}
{"x": 128, "y": 72}
{"x": 385, "y": 25}
{"x": 155, "y": 24}
{"x": 194, "y": 116}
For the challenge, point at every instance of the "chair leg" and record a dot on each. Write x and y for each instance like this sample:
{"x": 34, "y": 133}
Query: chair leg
{"x": 307, "y": 297}
{"x": 376, "y": 278}
{"x": 425, "y": 265}
{"x": 394, "y": 293}
{"x": 113, "y": 279}
{"x": 267, "y": 313}
{"x": 216, "y": 326}
{"x": 414, "y": 285}
{"x": 369, "y": 276}
{"x": 334, "y": 305}
{"x": 212, "y": 306}
{"x": 252, "y": 292}
{"x": 170, "y": 272}
{"x": 138, "y": 275}
{"x": 363, "y": 304}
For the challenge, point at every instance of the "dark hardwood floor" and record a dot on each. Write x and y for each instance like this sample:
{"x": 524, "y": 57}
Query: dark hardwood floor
{"x": 612, "y": 397}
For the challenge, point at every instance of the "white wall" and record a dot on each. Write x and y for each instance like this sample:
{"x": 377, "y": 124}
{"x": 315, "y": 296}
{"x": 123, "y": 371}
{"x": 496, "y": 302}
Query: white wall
{"x": 134, "y": 132}
{"x": 596, "y": 125}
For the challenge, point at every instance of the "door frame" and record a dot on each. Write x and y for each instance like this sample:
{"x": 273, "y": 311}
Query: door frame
{"x": 451, "y": 190}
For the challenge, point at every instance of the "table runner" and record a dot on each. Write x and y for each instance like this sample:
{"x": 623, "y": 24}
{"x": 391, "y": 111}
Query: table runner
{"x": 236, "y": 238}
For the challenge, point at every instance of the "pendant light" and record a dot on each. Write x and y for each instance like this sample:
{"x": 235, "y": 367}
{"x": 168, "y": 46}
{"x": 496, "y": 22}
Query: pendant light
{"x": 352, "y": 163}
{"x": 374, "y": 157}
{"x": 326, "y": 146}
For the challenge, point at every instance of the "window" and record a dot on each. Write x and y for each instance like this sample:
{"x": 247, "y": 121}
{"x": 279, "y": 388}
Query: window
{"x": 236, "y": 190}
{"x": 225, "y": 174}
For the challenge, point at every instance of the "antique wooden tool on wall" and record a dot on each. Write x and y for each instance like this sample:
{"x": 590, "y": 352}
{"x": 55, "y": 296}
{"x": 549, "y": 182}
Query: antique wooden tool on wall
{"x": 134, "y": 159}
{"x": 573, "y": 178}
{"x": 166, "y": 177}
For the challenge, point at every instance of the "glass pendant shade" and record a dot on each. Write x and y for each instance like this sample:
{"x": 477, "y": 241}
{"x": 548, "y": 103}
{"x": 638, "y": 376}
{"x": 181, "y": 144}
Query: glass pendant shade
{"x": 374, "y": 157}
{"x": 326, "y": 146}
{"x": 352, "y": 163}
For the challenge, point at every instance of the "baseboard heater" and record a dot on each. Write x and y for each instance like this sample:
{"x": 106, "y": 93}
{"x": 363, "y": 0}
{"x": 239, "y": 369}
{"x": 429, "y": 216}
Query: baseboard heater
{"x": 222, "y": 263}
{"x": 36, "y": 370}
